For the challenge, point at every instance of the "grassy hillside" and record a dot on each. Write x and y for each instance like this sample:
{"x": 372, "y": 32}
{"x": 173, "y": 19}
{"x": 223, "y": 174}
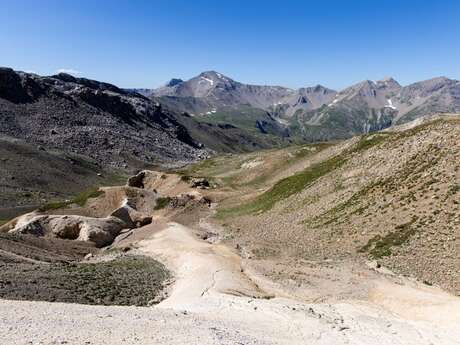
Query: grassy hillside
{"x": 256, "y": 123}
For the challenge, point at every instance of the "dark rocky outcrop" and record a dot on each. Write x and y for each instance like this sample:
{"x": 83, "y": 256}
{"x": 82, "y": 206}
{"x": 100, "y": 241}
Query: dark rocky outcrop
{"x": 17, "y": 89}
{"x": 137, "y": 180}
{"x": 202, "y": 183}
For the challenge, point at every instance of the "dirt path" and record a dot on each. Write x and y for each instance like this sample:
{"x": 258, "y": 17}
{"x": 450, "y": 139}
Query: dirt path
{"x": 210, "y": 281}
{"x": 213, "y": 301}
{"x": 202, "y": 269}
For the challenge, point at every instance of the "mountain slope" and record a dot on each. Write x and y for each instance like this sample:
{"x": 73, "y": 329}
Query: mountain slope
{"x": 219, "y": 90}
{"x": 360, "y": 108}
{"x": 392, "y": 197}
{"x": 95, "y": 119}
{"x": 31, "y": 176}
{"x": 426, "y": 98}
{"x": 212, "y": 97}
{"x": 308, "y": 98}
{"x": 117, "y": 127}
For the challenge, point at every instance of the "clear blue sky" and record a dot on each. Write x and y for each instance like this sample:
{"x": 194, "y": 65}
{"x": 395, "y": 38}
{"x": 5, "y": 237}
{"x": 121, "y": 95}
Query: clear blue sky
{"x": 287, "y": 42}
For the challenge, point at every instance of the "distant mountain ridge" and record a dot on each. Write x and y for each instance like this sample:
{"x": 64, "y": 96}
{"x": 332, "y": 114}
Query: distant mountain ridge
{"x": 313, "y": 113}
{"x": 216, "y": 90}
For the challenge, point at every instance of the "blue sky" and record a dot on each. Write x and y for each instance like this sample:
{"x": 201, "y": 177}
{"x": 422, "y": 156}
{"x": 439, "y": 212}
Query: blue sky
{"x": 293, "y": 43}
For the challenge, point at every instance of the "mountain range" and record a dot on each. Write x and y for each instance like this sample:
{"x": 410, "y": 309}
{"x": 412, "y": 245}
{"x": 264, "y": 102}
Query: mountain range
{"x": 185, "y": 121}
{"x": 310, "y": 113}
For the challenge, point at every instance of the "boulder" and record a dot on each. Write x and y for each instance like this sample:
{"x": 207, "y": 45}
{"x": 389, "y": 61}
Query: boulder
{"x": 131, "y": 217}
{"x": 199, "y": 183}
{"x": 137, "y": 180}
{"x": 185, "y": 199}
{"x": 100, "y": 231}
{"x": 145, "y": 179}
{"x": 181, "y": 200}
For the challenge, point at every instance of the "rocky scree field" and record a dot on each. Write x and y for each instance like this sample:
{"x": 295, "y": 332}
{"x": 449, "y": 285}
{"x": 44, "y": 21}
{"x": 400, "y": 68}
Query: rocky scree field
{"x": 91, "y": 118}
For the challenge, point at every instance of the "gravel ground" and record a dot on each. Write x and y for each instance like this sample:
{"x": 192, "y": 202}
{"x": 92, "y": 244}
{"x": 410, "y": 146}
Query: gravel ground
{"x": 232, "y": 320}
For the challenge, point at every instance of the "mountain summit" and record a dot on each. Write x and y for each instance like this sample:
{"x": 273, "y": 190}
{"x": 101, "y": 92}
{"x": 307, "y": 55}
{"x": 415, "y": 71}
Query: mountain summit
{"x": 174, "y": 82}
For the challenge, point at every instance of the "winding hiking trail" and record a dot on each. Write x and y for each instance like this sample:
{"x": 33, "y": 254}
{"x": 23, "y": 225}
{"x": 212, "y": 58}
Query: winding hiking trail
{"x": 213, "y": 300}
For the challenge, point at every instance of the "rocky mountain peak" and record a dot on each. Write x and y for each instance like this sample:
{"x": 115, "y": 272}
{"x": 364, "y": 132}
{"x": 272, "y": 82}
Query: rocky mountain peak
{"x": 174, "y": 82}
{"x": 427, "y": 87}
{"x": 19, "y": 87}
{"x": 214, "y": 76}
{"x": 62, "y": 111}
{"x": 65, "y": 77}
{"x": 319, "y": 88}
{"x": 436, "y": 82}
{"x": 316, "y": 89}
{"x": 370, "y": 88}
{"x": 363, "y": 88}
{"x": 388, "y": 82}
{"x": 6, "y": 71}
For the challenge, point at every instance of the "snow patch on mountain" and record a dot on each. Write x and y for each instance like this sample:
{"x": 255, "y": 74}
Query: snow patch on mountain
{"x": 210, "y": 81}
{"x": 390, "y": 104}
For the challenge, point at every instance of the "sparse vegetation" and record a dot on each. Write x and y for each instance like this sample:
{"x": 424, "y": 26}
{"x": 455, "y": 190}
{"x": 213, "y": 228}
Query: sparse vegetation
{"x": 127, "y": 280}
{"x": 335, "y": 213}
{"x": 162, "y": 202}
{"x": 454, "y": 189}
{"x": 83, "y": 197}
{"x": 380, "y": 181}
{"x": 370, "y": 140}
{"x": 380, "y": 246}
{"x": 80, "y": 200}
{"x": 54, "y": 206}
{"x": 264, "y": 252}
{"x": 186, "y": 178}
{"x": 286, "y": 187}
{"x": 297, "y": 182}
